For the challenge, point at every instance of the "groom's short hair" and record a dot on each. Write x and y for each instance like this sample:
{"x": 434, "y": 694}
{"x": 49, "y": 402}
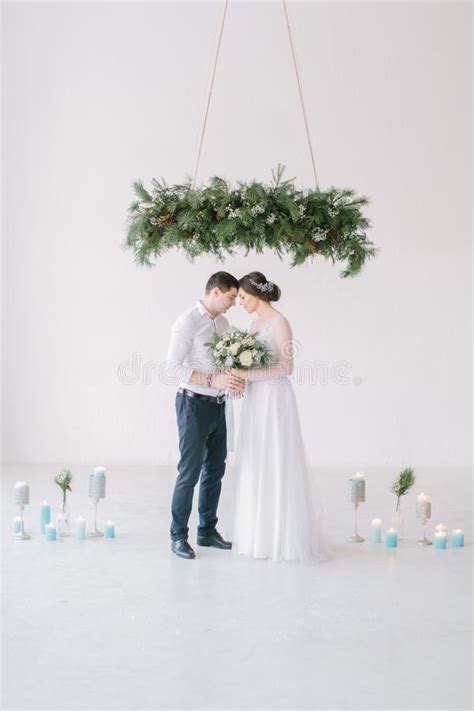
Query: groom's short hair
{"x": 223, "y": 280}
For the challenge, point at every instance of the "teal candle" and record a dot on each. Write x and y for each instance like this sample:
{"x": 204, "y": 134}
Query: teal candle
{"x": 109, "y": 530}
{"x": 376, "y": 530}
{"x": 50, "y": 530}
{"x": 441, "y": 540}
{"x": 391, "y": 538}
{"x": 45, "y": 515}
{"x": 81, "y": 528}
{"x": 17, "y": 525}
{"x": 99, "y": 472}
{"x": 458, "y": 538}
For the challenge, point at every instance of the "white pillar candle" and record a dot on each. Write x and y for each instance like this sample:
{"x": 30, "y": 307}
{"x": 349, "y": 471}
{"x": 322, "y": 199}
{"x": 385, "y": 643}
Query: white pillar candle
{"x": 22, "y": 493}
{"x": 357, "y": 488}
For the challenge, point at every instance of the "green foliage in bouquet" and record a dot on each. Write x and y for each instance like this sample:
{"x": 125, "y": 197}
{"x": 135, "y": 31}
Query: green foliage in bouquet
{"x": 402, "y": 484}
{"x": 217, "y": 218}
{"x": 238, "y": 349}
{"x": 63, "y": 480}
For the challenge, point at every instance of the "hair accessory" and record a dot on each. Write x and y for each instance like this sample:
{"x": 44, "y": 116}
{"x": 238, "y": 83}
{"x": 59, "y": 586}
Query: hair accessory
{"x": 268, "y": 286}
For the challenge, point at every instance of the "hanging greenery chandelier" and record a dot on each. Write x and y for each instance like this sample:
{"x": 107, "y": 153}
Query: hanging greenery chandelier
{"x": 219, "y": 218}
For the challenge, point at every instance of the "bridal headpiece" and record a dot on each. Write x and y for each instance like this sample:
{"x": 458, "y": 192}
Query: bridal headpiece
{"x": 268, "y": 286}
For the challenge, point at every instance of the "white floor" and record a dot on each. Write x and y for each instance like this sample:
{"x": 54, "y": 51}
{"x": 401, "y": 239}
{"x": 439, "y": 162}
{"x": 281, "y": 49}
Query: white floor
{"x": 124, "y": 624}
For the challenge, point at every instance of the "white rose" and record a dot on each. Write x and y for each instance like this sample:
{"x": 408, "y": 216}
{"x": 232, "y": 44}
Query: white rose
{"x": 234, "y": 349}
{"x": 246, "y": 359}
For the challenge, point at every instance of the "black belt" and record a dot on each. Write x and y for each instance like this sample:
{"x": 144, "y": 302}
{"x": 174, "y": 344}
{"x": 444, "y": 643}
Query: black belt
{"x": 219, "y": 399}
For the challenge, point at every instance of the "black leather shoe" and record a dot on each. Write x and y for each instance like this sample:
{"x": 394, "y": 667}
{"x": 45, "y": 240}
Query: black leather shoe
{"x": 215, "y": 540}
{"x": 182, "y": 549}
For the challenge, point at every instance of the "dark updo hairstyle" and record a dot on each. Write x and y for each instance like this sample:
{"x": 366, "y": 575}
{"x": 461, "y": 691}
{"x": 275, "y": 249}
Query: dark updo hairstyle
{"x": 256, "y": 284}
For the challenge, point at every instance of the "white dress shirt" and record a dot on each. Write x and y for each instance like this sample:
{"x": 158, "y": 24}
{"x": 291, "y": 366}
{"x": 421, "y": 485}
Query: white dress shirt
{"x": 187, "y": 352}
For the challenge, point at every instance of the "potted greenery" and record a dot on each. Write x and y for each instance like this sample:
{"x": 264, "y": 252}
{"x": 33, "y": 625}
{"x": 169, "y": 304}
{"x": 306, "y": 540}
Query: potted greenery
{"x": 400, "y": 487}
{"x": 63, "y": 480}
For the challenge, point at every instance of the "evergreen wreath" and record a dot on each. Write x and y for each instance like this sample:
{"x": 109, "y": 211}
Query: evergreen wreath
{"x": 218, "y": 218}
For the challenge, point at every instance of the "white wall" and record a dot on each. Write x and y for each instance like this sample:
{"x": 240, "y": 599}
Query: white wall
{"x": 99, "y": 94}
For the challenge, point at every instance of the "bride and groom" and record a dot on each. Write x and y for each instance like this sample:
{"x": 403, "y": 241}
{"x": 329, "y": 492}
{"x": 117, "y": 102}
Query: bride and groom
{"x": 276, "y": 508}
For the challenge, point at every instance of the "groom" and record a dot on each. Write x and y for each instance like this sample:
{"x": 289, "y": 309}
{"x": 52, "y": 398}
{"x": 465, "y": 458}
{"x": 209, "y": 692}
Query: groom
{"x": 200, "y": 411}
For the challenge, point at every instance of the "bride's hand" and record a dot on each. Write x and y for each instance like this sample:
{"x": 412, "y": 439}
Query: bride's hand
{"x": 242, "y": 374}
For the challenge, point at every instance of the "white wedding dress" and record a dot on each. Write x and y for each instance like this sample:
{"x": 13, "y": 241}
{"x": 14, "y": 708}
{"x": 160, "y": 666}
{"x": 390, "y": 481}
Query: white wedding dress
{"x": 277, "y": 507}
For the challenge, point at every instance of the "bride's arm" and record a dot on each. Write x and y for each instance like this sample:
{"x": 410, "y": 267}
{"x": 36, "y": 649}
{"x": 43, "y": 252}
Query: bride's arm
{"x": 283, "y": 336}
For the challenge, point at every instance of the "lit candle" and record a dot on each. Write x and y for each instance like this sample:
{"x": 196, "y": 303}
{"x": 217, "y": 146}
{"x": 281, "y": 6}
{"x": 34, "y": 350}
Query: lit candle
{"x": 109, "y": 529}
{"x": 458, "y": 538}
{"x": 423, "y": 506}
{"x": 45, "y": 515}
{"x": 441, "y": 539}
{"x": 50, "y": 530}
{"x": 391, "y": 538}
{"x": 97, "y": 481}
{"x": 22, "y": 493}
{"x": 17, "y": 525}
{"x": 441, "y": 527}
{"x": 377, "y": 530}
{"x": 81, "y": 528}
{"x": 357, "y": 488}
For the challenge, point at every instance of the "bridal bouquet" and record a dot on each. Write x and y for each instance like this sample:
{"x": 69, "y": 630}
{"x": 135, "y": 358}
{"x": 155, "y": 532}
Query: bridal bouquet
{"x": 238, "y": 349}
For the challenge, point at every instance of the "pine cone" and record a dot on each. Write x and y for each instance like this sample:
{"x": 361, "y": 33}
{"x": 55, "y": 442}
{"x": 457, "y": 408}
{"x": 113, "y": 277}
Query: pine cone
{"x": 165, "y": 220}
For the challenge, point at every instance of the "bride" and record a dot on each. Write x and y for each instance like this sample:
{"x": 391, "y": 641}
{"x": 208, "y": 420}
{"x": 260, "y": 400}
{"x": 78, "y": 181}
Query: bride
{"x": 277, "y": 509}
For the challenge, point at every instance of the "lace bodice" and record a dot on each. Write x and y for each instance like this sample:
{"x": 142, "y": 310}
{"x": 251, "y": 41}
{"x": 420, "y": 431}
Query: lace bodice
{"x": 278, "y": 337}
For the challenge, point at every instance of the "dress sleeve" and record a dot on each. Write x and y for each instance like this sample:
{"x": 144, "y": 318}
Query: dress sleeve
{"x": 281, "y": 331}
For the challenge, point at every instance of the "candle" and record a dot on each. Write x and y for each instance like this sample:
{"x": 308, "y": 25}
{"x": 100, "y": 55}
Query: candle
{"x": 357, "y": 488}
{"x": 391, "y": 538}
{"x": 97, "y": 482}
{"x": 22, "y": 493}
{"x": 17, "y": 525}
{"x": 377, "y": 530}
{"x": 458, "y": 538}
{"x": 441, "y": 527}
{"x": 81, "y": 528}
{"x": 109, "y": 529}
{"x": 441, "y": 539}
{"x": 423, "y": 506}
{"x": 50, "y": 530}
{"x": 45, "y": 515}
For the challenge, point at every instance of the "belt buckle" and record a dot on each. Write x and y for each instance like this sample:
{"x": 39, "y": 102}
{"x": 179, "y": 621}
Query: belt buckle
{"x": 220, "y": 399}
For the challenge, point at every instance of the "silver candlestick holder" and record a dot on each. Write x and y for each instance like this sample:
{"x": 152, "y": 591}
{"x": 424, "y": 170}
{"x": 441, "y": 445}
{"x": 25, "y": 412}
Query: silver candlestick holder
{"x": 356, "y": 497}
{"x": 423, "y": 512}
{"x": 22, "y": 497}
{"x": 96, "y": 492}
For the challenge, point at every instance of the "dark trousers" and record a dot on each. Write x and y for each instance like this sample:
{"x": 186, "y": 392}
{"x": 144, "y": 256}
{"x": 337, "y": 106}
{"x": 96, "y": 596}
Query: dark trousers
{"x": 203, "y": 449}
